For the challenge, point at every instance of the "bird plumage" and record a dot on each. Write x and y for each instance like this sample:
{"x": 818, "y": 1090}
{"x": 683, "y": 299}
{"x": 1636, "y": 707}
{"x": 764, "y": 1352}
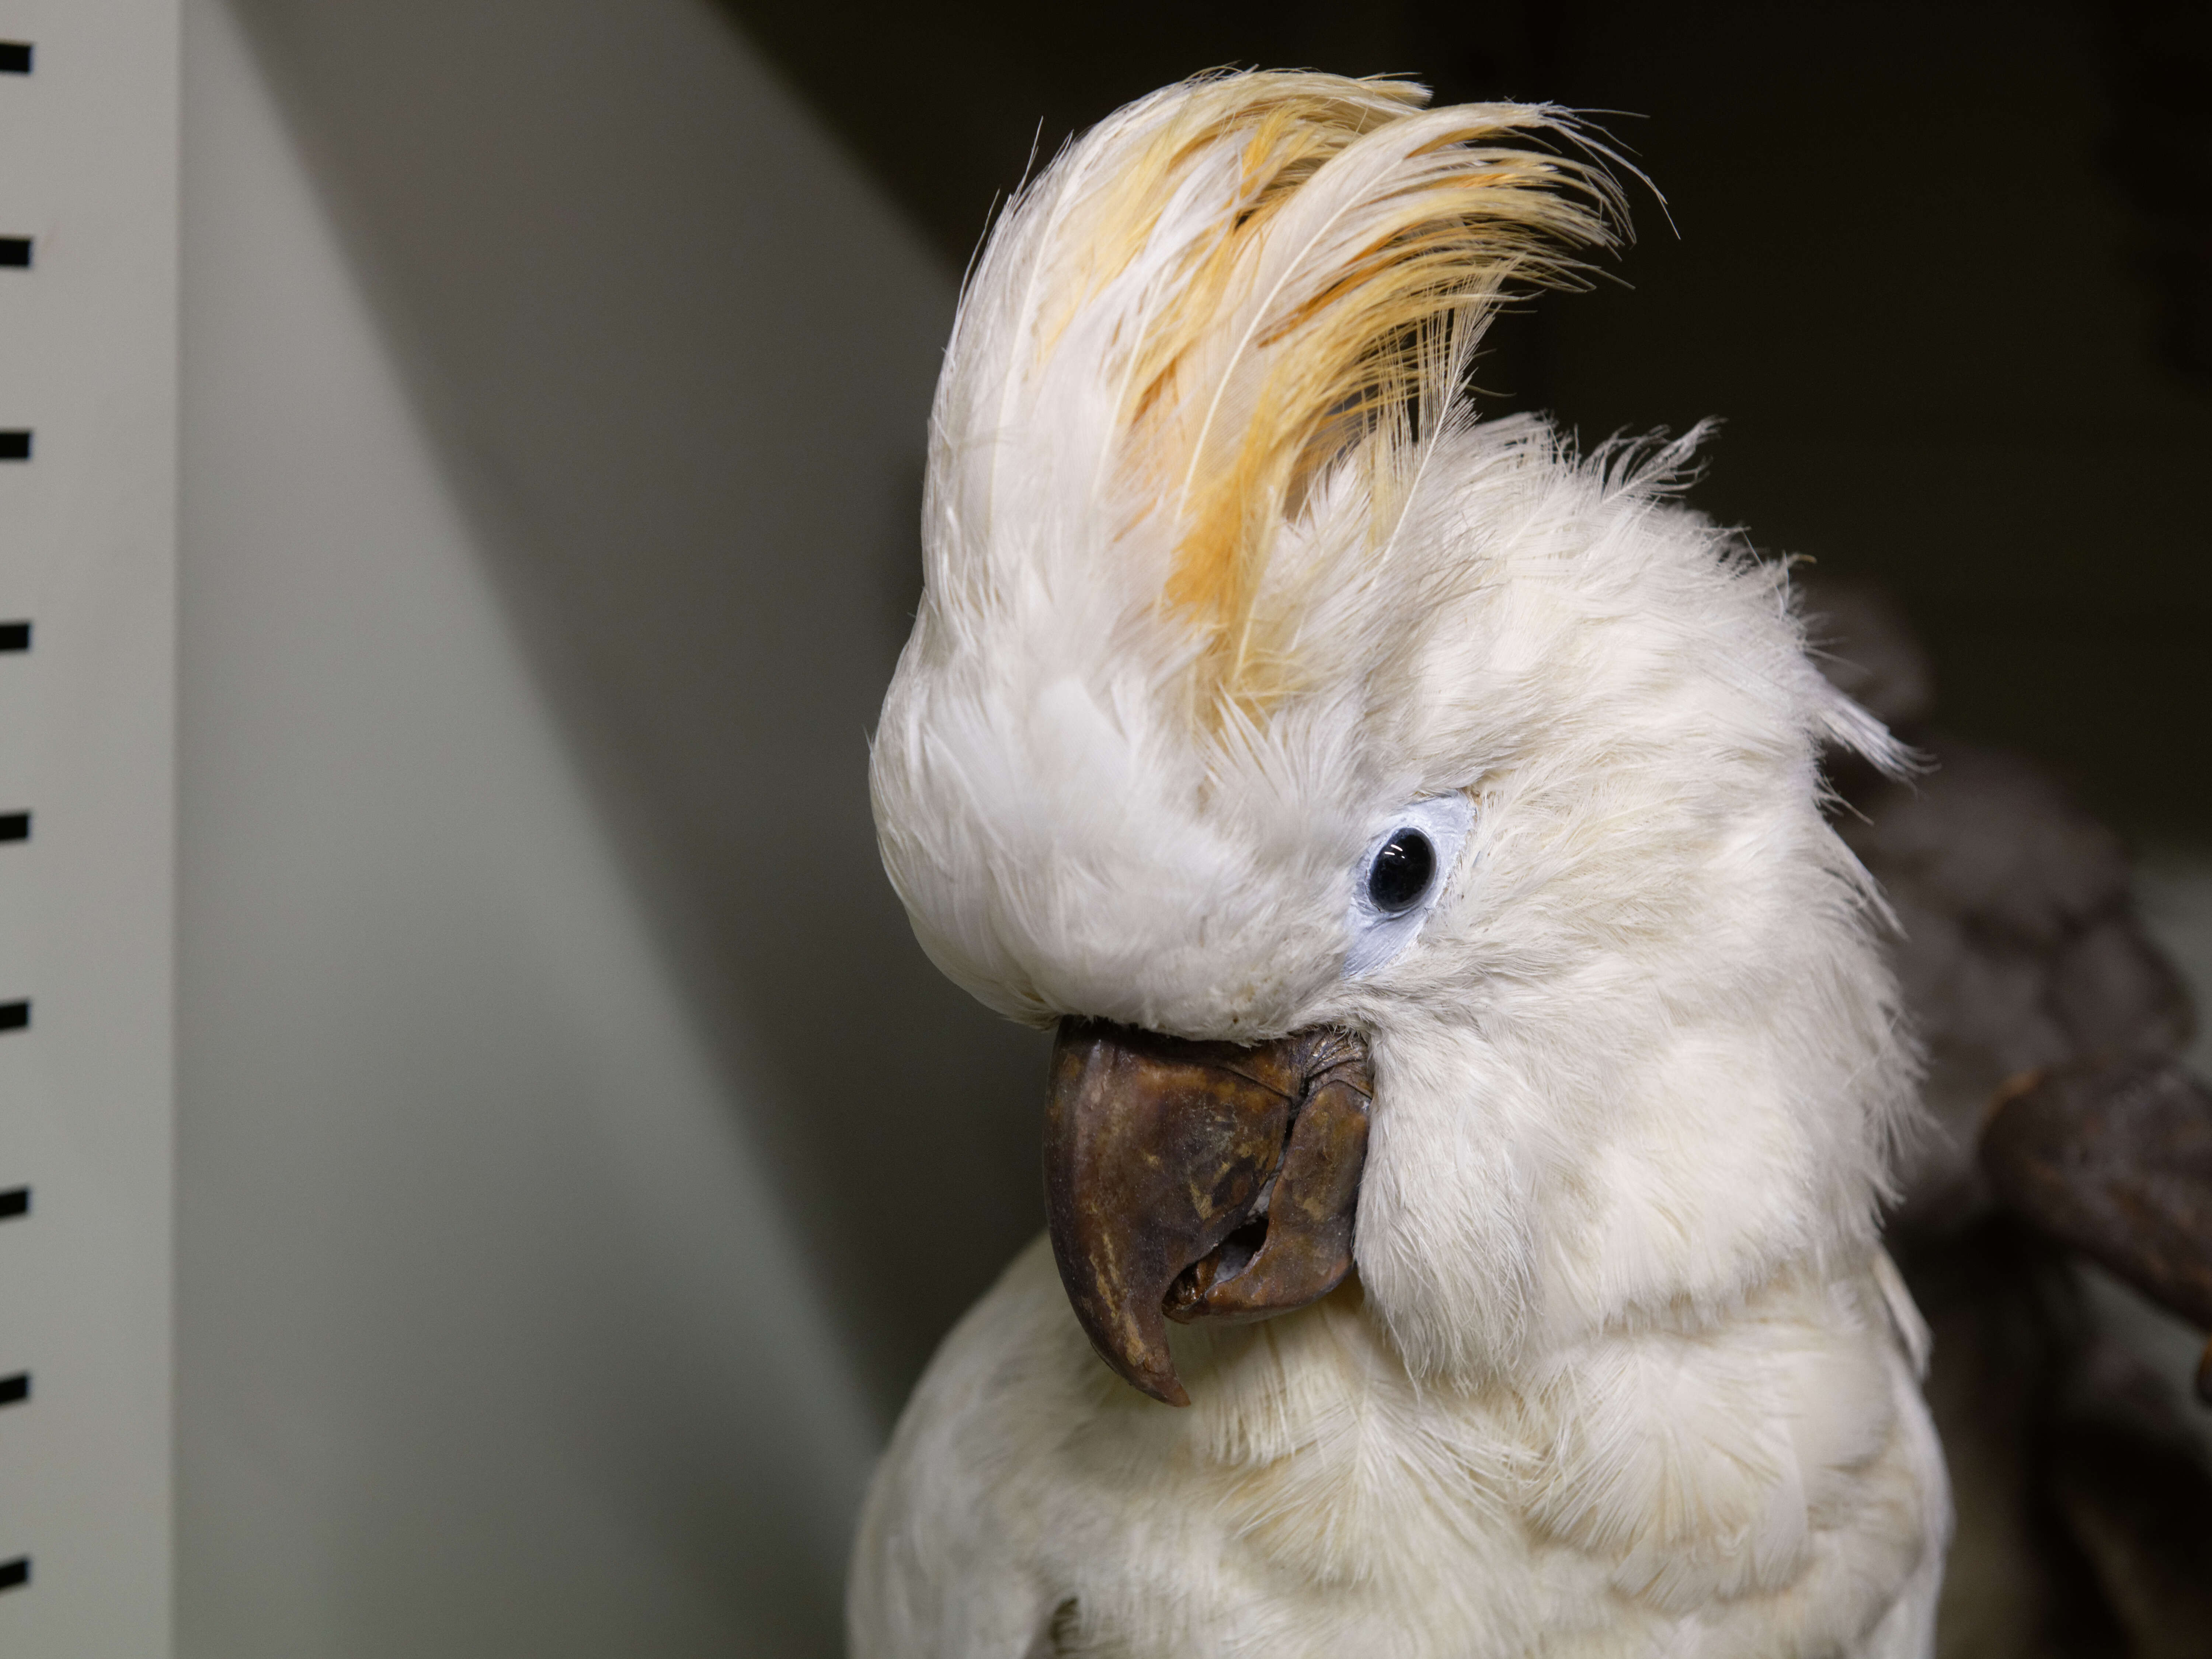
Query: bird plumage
{"x": 1224, "y": 580}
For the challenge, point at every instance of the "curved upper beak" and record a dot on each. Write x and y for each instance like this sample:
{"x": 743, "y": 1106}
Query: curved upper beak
{"x": 1191, "y": 1180}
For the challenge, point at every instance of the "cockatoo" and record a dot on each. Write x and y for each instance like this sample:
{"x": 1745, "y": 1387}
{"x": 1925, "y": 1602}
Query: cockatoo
{"x": 1475, "y": 1067}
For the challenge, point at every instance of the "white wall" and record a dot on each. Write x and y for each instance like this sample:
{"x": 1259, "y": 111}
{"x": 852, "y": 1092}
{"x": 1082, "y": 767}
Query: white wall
{"x": 88, "y": 558}
{"x": 576, "y": 1156}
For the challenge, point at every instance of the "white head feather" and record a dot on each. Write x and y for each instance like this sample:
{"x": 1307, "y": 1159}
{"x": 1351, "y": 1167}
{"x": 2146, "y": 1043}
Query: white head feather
{"x": 1224, "y": 583}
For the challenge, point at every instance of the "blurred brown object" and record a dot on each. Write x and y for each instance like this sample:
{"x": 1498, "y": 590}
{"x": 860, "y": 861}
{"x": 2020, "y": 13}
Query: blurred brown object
{"x": 2021, "y": 949}
{"x": 2115, "y": 1159}
{"x": 2083, "y": 1491}
{"x": 2020, "y": 945}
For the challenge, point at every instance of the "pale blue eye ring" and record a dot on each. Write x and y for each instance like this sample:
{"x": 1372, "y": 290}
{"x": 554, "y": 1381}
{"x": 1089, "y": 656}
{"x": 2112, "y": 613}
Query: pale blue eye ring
{"x": 1403, "y": 872}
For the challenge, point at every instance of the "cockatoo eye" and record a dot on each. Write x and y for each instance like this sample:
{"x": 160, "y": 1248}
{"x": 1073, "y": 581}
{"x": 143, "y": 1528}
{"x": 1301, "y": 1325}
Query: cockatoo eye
{"x": 1401, "y": 871}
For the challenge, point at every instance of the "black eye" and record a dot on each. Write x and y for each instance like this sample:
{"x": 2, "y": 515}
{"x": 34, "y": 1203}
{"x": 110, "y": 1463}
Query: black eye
{"x": 1401, "y": 873}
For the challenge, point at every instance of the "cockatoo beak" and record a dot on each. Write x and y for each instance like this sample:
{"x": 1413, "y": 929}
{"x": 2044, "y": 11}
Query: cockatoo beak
{"x": 1192, "y": 1180}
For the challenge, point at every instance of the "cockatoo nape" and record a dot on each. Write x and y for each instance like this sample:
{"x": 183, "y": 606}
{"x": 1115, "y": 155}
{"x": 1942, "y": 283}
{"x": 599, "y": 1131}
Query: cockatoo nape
{"x": 1475, "y": 1070}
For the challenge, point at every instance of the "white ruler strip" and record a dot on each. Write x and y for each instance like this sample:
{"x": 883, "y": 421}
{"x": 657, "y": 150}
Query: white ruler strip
{"x": 88, "y": 487}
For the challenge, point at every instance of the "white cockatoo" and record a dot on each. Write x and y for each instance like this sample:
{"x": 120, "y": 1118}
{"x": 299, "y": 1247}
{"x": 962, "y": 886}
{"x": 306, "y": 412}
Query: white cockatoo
{"x": 1476, "y": 1068}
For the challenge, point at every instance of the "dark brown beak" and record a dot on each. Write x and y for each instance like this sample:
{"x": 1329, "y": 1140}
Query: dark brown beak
{"x": 1194, "y": 1180}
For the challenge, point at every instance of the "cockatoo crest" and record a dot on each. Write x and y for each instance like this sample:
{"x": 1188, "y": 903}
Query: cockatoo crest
{"x": 1231, "y": 289}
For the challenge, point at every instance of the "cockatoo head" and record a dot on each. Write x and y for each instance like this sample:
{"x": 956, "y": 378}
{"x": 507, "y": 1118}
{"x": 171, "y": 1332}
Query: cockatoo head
{"x": 1411, "y": 828}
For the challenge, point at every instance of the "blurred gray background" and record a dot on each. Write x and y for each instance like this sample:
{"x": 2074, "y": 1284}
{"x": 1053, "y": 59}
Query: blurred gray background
{"x": 579, "y": 1159}
{"x": 577, "y": 1156}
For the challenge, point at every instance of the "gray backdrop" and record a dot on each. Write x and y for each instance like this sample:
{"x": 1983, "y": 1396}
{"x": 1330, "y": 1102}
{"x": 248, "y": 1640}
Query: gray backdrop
{"x": 577, "y": 1155}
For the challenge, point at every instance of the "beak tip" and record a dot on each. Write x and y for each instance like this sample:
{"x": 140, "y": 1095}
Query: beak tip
{"x": 1145, "y": 1364}
{"x": 1163, "y": 1386}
